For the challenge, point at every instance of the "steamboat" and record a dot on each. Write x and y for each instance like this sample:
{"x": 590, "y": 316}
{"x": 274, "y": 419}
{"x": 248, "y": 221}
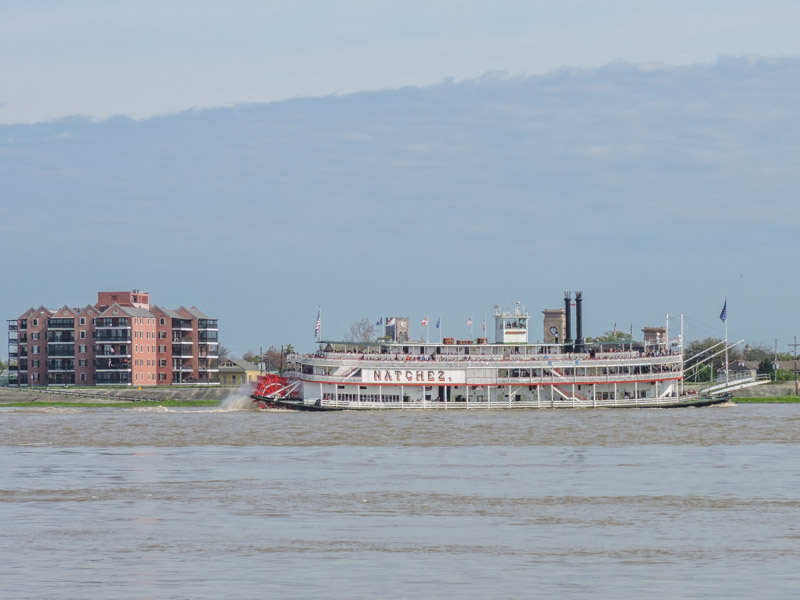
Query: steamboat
{"x": 395, "y": 373}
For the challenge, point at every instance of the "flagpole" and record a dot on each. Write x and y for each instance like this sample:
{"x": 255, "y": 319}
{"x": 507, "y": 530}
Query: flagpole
{"x": 683, "y": 365}
{"x": 726, "y": 345}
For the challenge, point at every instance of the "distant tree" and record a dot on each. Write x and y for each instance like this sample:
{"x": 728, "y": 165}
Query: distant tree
{"x": 766, "y": 367}
{"x": 699, "y": 352}
{"x": 758, "y": 352}
{"x": 361, "y": 331}
{"x": 250, "y": 357}
{"x": 611, "y": 336}
{"x": 273, "y": 358}
{"x": 2, "y": 365}
{"x": 222, "y": 352}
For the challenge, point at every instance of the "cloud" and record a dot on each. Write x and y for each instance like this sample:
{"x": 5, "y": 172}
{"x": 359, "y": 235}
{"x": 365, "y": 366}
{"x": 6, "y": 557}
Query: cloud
{"x": 493, "y": 178}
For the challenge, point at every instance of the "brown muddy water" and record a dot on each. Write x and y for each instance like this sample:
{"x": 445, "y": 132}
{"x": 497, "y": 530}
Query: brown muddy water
{"x": 212, "y": 503}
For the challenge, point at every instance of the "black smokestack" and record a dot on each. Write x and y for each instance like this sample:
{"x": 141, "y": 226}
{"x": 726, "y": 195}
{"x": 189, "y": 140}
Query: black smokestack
{"x": 568, "y": 323}
{"x": 578, "y": 322}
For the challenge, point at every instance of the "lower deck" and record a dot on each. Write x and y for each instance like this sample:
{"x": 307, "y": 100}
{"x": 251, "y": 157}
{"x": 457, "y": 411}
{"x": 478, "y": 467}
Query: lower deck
{"x": 506, "y": 404}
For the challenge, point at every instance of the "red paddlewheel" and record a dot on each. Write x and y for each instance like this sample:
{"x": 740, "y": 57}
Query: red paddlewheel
{"x": 270, "y": 384}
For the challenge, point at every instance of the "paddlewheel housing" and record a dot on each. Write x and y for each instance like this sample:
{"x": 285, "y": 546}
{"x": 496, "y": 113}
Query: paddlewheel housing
{"x": 271, "y": 386}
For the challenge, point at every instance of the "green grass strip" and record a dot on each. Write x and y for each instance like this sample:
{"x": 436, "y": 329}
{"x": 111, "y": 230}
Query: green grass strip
{"x": 121, "y": 404}
{"x": 767, "y": 400}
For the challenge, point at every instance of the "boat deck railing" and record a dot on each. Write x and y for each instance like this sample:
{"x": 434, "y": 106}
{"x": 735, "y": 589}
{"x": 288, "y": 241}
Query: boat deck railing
{"x": 511, "y": 361}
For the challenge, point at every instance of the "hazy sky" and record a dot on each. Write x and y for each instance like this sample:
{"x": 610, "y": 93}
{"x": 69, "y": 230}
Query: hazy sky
{"x": 101, "y": 58}
{"x": 426, "y": 159}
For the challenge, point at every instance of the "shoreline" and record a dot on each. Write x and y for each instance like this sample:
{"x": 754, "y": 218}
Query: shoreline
{"x": 216, "y": 396}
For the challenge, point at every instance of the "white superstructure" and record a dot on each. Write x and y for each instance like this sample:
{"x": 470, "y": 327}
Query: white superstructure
{"x": 511, "y": 372}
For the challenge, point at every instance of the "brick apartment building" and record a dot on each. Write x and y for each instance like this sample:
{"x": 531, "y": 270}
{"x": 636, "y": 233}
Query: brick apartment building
{"x": 121, "y": 340}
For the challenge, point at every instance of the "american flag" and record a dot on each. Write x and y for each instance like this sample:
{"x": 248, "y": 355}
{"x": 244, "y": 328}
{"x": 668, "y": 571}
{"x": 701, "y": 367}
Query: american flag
{"x": 319, "y": 322}
{"x": 425, "y": 322}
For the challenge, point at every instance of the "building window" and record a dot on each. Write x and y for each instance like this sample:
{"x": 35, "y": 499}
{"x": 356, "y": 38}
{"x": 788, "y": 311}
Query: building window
{"x": 162, "y": 348}
{"x": 34, "y": 377}
{"x": 81, "y": 362}
{"x": 83, "y": 335}
{"x": 34, "y": 363}
{"x": 83, "y": 320}
{"x": 82, "y": 349}
{"x": 162, "y": 335}
{"x": 35, "y": 335}
{"x": 34, "y": 349}
{"x": 83, "y": 376}
{"x": 162, "y": 363}
{"x": 35, "y": 322}
{"x": 163, "y": 321}
{"x": 162, "y": 376}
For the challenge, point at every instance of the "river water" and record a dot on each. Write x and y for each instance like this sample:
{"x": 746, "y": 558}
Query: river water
{"x": 194, "y": 503}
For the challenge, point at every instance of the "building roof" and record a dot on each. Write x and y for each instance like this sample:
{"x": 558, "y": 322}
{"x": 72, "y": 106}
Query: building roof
{"x": 237, "y": 365}
{"x": 197, "y": 313}
{"x": 173, "y": 314}
{"x": 136, "y": 312}
{"x": 740, "y": 366}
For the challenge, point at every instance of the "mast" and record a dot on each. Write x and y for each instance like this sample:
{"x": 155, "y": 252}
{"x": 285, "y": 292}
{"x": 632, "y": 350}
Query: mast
{"x": 681, "y": 349}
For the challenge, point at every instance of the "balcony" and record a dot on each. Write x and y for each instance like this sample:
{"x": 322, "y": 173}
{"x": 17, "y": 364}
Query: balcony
{"x": 182, "y": 350}
{"x": 207, "y": 336}
{"x": 60, "y": 323}
{"x": 113, "y": 336}
{"x": 109, "y": 378}
{"x": 109, "y": 351}
{"x": 13, "y": 326}
{"x": 60, "y": 365}
{"x": 112, "y": 322}
{"x": 182, "y": 324}
{"x": 61, "y": 379}
{"x": 64, "y": 350}
{"x": 207, "y": 324}
{"x": 60, "y": 338}
{"x": 112, "y": 364}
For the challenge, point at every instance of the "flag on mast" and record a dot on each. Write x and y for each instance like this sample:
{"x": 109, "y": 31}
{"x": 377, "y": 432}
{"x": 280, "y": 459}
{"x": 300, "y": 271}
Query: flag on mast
{"x": 425, "y": 322}
{"x": 380, "y": 321}
{"x": 723, "y": 316}
{"x": 319, "y": 322}
{"x": 438, "y": 322}
{"x": 469, "y": 322}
